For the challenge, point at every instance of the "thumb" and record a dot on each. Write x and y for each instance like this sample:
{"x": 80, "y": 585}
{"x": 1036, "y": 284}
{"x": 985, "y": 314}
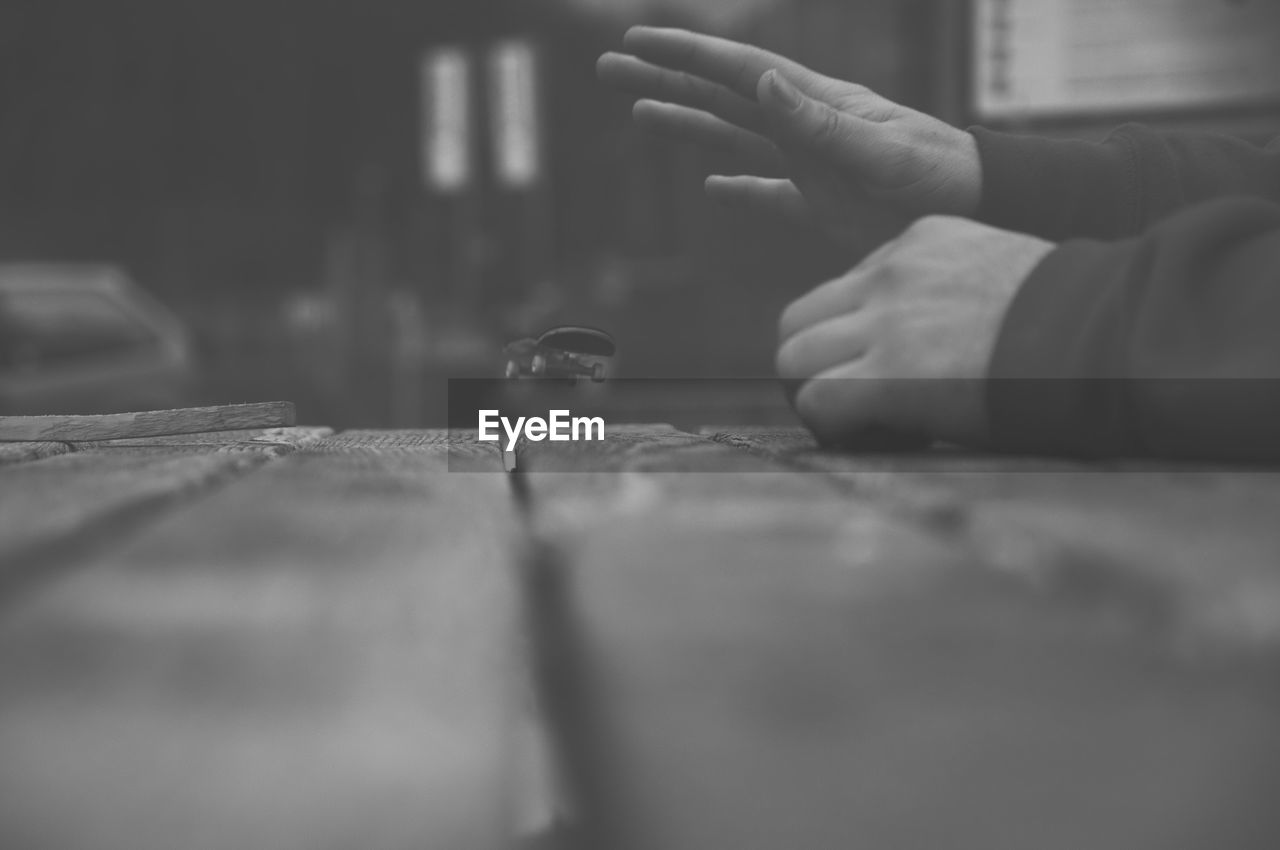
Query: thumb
{"x": 811, "y": 129}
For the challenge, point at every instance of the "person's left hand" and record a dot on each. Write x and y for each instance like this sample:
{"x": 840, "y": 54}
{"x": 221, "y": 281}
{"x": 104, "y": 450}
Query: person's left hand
{"x": 902, "y": 342}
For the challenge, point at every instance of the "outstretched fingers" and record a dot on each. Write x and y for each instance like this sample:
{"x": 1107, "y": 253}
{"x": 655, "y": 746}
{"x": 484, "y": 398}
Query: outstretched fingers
{"x": 646, "y": 80}
{"x": 769, "y": 196}
{"x": 755, "y": 153}
{"x": 729, "y": 63}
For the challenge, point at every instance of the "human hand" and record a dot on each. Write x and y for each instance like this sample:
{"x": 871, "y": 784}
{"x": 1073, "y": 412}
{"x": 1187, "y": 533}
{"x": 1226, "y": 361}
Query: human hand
{"x": 818, "y": 148}
{"x": 903, "y": 341}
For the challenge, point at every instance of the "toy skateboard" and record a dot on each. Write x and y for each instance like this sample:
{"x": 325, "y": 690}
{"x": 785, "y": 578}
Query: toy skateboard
{"x": 566, "y": 353}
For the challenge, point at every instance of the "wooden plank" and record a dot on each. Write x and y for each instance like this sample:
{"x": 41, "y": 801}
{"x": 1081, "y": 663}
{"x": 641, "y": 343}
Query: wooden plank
{"x": 802, "y": 683}
{"x": 321, "y": 655}
{"x": 734, "y": 664}
{"x": 1126, "y": 536}
{"x": 766, "y": 440}
{"x": 651, "y": 449}
{"x": 148, "y": 423}
{"x": 637, "y": 467}
{"x": 78, "y": 501}
{"x": 1194, "y": 553}
{"x": 19, "y": 452}
{"x": 276, "y": 441}
{"x": 912, "y": 483}
{"x": 58, "y": 506}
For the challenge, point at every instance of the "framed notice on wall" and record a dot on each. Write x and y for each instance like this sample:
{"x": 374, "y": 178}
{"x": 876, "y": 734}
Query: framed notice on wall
{"x": 1042, "y": 58}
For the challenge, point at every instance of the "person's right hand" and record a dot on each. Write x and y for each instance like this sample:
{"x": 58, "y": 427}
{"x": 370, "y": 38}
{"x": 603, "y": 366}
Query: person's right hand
{"x": 818, "y": 147}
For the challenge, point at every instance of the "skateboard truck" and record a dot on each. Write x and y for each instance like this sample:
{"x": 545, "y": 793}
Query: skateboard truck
{"x": 564, "y": 353}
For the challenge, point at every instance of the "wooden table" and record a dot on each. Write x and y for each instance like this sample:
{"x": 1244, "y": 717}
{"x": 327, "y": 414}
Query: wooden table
{"x": 289, "y": 638}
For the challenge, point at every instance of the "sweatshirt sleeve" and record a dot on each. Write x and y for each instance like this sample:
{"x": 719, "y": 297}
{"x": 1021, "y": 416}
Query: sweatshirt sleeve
{"x": 1162, "y": 345}
{"x": 1067, "y": 188}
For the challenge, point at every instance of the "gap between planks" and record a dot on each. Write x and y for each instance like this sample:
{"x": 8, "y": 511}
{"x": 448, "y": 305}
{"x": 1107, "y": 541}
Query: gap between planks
{"x": 60, "y": 507}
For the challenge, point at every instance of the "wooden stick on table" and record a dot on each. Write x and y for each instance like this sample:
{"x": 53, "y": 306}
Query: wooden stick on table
{"x": 148, "y": 423}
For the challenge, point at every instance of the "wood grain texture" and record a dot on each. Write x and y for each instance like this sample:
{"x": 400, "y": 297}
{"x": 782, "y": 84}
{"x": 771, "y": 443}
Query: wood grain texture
{"x": 19, "y": 452}
{"x": 766, "y": 440}
{"x": 1187, "y": 550}
{"x": 569, "y": 489}
{"x": 640, "y": 466}
{"x": 321, "y": 655}
{"x": 286, "y": 439}
{"x": 459, "y": 448}
{"x": 801, "y": 659}
{"x": 431, "y": 442}
{"x": 648, "y": 449}
{"x": 83, "y": 500}
{"x": 650, "y": 476}
{"x": 798, "y": 682}
{"x": 149, "y": 423}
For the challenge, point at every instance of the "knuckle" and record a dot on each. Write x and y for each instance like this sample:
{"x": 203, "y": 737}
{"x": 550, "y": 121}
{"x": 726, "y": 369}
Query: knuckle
{"x": 923, "y": 226}
{"x": 938, "y": 226}
{"x": 827, "y": 127}
{"x": 878, "y": 257}
{"x": 880, "y": 277}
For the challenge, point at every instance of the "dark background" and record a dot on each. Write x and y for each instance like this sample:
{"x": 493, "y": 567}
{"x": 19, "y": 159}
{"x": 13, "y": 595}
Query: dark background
{"x": 255, "y": 165}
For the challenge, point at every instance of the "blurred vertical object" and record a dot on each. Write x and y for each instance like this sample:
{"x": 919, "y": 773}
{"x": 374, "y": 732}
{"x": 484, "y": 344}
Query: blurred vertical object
{"x": 446, "y": 116}
{"x": 514, "y": 102}
{"x": 520, "y": 203}
{"x": 451, "y": 132}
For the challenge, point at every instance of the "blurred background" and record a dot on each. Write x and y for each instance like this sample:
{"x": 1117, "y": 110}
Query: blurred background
{"x": 346, "y": 202}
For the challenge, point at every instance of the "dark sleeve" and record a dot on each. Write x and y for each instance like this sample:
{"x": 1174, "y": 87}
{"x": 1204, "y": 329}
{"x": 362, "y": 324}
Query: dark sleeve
{"x": 1068, "y": 188}
{"x": 1163, "y": 345}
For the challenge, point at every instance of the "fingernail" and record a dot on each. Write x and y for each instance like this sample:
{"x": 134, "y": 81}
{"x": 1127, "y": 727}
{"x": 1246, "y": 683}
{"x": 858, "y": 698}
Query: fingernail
{"x": 787, "y": 94}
